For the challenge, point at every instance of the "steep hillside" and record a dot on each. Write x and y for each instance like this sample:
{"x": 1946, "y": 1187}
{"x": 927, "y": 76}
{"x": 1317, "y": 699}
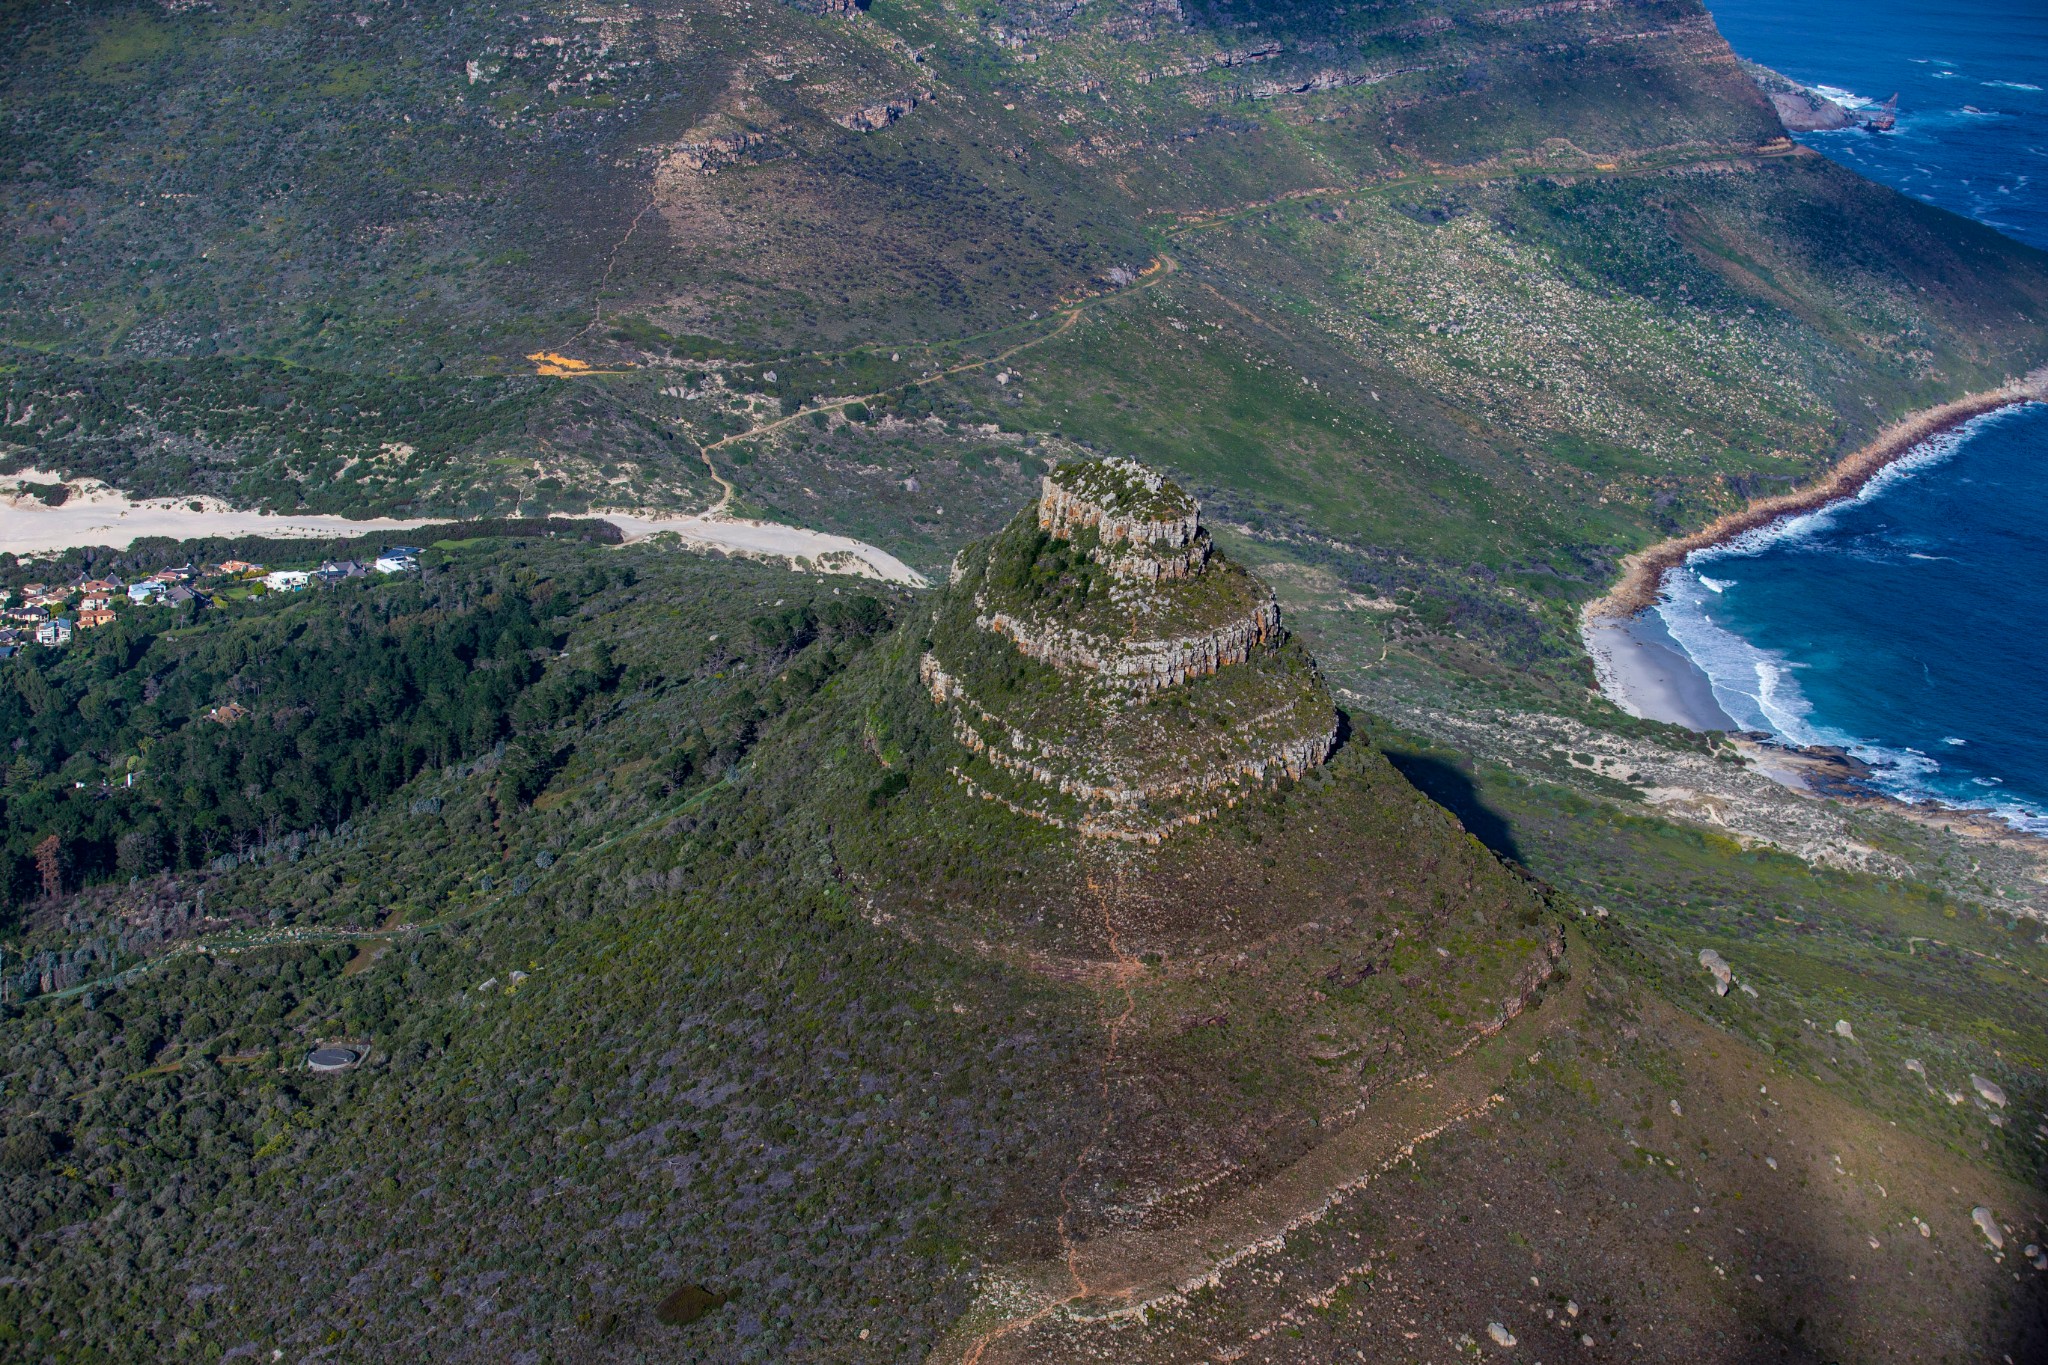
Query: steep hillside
{"x": 698, "y": 1009}
{"x": 1525, "y": 287}
{"x": 1217, "y": 924}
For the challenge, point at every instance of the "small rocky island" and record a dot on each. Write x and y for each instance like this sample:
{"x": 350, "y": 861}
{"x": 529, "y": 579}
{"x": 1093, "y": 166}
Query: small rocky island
{"x": 1109, "y": 671}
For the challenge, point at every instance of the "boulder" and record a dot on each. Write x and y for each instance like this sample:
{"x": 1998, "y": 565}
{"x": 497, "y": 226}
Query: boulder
{"x": 1804, "y": 111}
{"x": 1993, "y": 1092}
{"x": 1724, "y": 975}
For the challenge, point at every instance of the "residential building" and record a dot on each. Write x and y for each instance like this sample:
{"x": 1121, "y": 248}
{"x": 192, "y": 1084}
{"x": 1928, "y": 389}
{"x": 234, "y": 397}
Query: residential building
{"x": 91, "y": 618}
{"x": 339, "y": 570}
{"x": 396, "y": 563}
{"x": 286, "y": 580}
{"x": 55, "y": 632}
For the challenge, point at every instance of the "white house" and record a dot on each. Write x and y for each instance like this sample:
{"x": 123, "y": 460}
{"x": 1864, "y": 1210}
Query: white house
{"x": 396, "y": 563}
{"x": 54, "y": 632}
{"x": 142, "y": 592}
{"x": 286, "y": 580}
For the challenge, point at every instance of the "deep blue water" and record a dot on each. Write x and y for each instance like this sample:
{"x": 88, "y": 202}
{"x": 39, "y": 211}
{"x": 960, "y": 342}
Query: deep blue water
{"x": 1972, "y": 81}
{"x": 1910, "y": 624}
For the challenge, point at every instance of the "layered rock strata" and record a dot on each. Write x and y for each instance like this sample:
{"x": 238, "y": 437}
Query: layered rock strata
{"x": 1121, "y": 501}
{"x": 1141, "y": 664}
{"x": 1119, "y": 701}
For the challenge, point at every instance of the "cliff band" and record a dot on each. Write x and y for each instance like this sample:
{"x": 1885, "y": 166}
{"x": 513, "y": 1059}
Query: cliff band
{"x": 1108, "y": 671}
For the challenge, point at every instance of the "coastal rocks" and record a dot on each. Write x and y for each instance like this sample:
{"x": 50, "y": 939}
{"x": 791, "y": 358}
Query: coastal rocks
{"x": 1800, "y": 108}
{"x": 1806, "y": 111}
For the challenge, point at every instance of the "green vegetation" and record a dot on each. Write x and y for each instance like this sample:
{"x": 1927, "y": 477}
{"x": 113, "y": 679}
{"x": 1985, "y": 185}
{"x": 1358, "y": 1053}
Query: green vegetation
{"x": 716, "y": 994}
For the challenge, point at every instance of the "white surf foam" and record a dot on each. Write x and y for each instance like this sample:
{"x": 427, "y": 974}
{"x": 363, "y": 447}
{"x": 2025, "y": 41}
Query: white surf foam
{"x": 1759, "y": 687}
{"x": 1848, "y": 99}
{"x": 1800, "y": 525}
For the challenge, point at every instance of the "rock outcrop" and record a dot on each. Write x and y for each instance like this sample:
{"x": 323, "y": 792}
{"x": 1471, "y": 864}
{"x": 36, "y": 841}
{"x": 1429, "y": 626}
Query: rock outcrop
{"x": 1107, "y": 671}
{"x": 1807, "y": 112}
{"x": 872, "y": 118}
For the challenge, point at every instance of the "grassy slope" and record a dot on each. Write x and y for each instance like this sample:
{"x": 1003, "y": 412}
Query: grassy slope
{"x": 757, "y": 1045}
{"x": 835, "y": 1043}
{"x": 1583, "y": 320}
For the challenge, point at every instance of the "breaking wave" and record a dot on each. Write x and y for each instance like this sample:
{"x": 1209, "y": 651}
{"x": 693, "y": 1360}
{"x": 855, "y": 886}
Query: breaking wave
{"x": 1761, "y": 687}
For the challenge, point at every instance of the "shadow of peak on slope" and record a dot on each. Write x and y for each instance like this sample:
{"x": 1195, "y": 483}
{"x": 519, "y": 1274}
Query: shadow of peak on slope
{"x": 1450, "y": 786}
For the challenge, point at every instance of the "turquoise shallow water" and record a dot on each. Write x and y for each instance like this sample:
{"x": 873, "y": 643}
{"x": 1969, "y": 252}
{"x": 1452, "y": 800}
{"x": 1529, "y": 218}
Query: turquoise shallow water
{"x": 1909, "y": 624}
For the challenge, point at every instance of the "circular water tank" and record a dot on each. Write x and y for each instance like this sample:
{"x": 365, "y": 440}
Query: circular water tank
{"x": 332, "y": 1059}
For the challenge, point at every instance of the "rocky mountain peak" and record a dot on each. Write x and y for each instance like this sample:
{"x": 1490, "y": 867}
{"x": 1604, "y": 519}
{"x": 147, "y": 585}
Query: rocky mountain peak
{"x": 1107, "y": 670}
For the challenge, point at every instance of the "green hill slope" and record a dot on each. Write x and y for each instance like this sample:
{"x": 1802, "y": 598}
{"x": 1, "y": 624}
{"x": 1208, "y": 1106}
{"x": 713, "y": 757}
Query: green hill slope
{"x": 687, "y": 927}
{"x": 695, "y": 963}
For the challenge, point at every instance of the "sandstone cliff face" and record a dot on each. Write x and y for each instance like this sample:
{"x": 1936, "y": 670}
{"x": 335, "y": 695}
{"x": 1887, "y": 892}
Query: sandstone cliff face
{"x": 1141, "y": 664}
{"x": 1106, "y": 672}
{"x": 1122, "y": 502}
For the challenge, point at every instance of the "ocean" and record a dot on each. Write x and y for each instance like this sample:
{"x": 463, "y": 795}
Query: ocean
{"x": 1909, "y": 624}
{"x": 1972, "y": 82}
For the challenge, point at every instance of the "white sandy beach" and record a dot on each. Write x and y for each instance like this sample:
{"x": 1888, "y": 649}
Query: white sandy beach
{"x": 96, "y": 514}
{"x": 1648, "y": 678}
{"x": 817, "y": 551}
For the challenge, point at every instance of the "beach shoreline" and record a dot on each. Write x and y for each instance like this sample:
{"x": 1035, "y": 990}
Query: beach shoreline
{"x": 1642, "y": 575}
{"x": 1634, "y": 671}
{"x": 1645, "y": 673}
